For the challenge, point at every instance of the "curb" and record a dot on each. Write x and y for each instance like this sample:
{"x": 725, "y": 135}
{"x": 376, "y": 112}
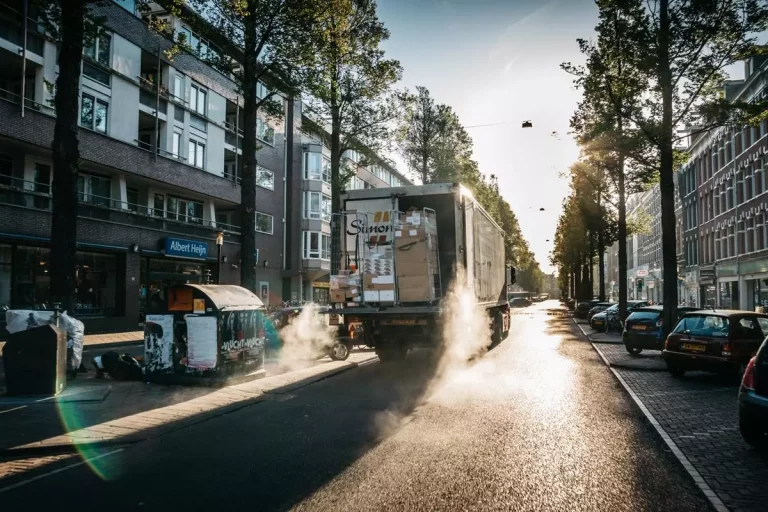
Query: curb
{"x": 588, "y": 336}
{"x": 711, "y": 496}
{"x": 624, "y": 365}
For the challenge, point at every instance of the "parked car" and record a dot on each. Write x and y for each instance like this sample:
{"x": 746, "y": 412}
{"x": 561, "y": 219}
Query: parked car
{"x": 582, "y": 309}
{"x": 643, "y": 328}
{"x": 718, "y": 341}
{"x": 543, "y": 297}
{"x": 753, "y": 399}
{"x": 598, "y": 308}
{"x": 600, "y": 320}
{"x": 519, "y": 302}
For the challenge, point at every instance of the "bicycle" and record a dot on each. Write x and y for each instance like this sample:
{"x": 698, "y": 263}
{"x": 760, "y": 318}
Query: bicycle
{"x": 613, "y": 324}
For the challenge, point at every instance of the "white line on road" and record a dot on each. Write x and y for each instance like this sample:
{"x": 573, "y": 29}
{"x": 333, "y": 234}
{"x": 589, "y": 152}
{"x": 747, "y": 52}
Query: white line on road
{"x": 697, "y": 478}
{"x": 60, "y": 470}
{"x": 14, "y": 409}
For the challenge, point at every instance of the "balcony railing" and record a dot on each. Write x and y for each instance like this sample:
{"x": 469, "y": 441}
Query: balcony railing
{"x": 18, "y": 192}
{"x": 12, "y": 97}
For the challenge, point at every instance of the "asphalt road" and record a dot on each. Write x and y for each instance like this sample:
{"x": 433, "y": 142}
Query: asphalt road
{"x": 539, "y": 423}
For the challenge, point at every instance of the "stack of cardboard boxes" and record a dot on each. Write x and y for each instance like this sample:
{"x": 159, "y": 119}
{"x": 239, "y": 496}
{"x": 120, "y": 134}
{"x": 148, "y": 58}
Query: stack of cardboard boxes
{"x": 416, "y": 257}
{"x": 345, "y": 287}
{"x": 379, "y": 275}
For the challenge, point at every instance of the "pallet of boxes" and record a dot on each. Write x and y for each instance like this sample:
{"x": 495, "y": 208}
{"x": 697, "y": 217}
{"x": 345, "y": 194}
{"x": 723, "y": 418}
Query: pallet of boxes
{"x": 416, "y": 257}
{"x": 346, "y": 288}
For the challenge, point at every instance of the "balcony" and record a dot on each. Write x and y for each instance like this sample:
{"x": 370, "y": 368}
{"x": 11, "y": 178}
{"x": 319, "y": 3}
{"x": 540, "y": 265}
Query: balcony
{"x": 21, "y": 193}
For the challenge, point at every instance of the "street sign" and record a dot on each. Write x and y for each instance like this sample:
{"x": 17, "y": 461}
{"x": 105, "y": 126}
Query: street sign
{"x": 642, "y": 273}
{"x": 651, "y": 284}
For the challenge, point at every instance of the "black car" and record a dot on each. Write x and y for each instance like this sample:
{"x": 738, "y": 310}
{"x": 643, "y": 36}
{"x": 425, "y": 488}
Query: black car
{"x": 643, "y": 328}
{"x": 519, "y": 302}
{"x": 753, "y": 399}
{"x": 598, "y": 308}
{"x": 582, "y": 310}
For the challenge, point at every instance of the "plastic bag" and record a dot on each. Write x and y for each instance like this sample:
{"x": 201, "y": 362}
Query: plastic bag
{"x": 22, "y": 319}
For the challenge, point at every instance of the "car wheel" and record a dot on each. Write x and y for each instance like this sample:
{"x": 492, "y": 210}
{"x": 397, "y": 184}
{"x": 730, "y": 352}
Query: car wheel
{"x": 633, "y": 351}
{"x": 751, "y": 431}
{"x": 340, "y": 351}
{"x": 676, "y": 371}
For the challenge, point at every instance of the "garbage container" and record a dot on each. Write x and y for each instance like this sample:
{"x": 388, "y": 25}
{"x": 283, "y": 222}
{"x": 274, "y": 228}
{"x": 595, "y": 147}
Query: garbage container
{"x": 35, "y": 361}
{"x": 207, "y": 333}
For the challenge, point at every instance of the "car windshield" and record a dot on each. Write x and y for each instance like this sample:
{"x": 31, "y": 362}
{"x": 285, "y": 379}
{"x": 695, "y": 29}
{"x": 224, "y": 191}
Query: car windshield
{"x": 703, "y": 325}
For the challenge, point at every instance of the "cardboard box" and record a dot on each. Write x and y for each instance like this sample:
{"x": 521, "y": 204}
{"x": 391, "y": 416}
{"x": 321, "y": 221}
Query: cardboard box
{"x": 416, "y": 288}
{"x": 371, "y": 295}
{"x": 337, "y": 296}
{"x": 374, "y": 282}
{"x": 387, "y": 296}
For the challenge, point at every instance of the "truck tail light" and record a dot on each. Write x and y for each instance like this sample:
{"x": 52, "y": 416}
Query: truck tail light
{"x": 726, "y": 350}
{"x": 659, "y": 322}
{"x": 666, "y": 344}
{"x": 748, "y": 381}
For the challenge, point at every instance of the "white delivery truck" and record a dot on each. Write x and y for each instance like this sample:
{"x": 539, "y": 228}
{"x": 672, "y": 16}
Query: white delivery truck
{"x": 401, "y": 249}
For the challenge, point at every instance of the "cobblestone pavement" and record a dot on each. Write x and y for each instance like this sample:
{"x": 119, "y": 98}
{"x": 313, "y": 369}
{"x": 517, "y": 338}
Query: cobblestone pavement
{"x": 618, "y": 357}
{"x": 699, "y": 412}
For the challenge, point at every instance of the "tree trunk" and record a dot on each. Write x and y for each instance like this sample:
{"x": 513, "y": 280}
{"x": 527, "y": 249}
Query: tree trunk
{"x": 66, "y": 156}
{"x": 248, "y": 173}
{"x": 336, "y": 229}
{"x": 666, "y": 174}
{"x": 601, "y": 265}
{"x": 591, "y": 260}
{"x": 622, "y": 242}
{"x": 586, "y": 293}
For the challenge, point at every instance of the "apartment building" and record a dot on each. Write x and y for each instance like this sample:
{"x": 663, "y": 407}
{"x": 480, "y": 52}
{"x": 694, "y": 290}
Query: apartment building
{"x": 160, "y": 151}
{"x": 725, "y": 204}
{"x": 310, "y": 199}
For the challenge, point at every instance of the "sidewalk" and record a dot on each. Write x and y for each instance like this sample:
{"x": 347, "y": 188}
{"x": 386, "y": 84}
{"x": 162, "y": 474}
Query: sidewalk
{"x": 612, "y": 351}
{"x": 95, "y": 414}
{"x": 114, "y": 338}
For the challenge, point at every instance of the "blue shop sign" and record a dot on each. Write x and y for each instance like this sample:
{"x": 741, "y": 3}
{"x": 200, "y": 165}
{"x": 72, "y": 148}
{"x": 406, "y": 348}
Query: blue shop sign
{"x": 180, "y": 248}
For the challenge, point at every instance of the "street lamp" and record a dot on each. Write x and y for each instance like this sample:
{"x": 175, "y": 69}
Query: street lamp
{"x": 219, "y": 243}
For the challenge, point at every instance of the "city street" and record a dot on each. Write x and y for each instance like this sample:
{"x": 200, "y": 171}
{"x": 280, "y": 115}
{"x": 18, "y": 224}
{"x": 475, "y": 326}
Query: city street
{"x": 539, "y": 423}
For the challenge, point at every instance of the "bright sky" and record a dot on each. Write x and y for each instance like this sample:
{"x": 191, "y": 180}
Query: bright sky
{"x": 498, "y": 61}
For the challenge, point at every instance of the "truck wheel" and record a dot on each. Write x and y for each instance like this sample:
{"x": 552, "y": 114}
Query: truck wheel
{"x": 340, "y": 351}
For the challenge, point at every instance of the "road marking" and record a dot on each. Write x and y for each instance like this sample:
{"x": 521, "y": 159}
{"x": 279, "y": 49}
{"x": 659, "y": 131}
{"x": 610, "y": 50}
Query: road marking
{"x": 709, "y": 494}
{"x": 56, "y": 471}
{"x": 14, "y": 409}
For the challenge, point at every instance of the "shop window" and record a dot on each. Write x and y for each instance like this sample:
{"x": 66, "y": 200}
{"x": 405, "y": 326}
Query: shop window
{"x": 95, "y": 190}
{"x": 264, "y": 223}
{"x": 95, "y": 279}
{"x": 31, "y": 269}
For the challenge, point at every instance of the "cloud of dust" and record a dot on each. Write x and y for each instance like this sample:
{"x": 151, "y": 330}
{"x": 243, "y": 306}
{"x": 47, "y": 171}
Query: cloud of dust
{"x": 466, "y": 331}
{"x": 305, "y": 338}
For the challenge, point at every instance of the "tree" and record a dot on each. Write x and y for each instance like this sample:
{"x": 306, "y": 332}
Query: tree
{"x": 614, "y": 85}
{"x": 263, "y": 41}
{"x": 72, "y": 25}
{"x": 350, "y": 86}
{"x": 692, "y": 43}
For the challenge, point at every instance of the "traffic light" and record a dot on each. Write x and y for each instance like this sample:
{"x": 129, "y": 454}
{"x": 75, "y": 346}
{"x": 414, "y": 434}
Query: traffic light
{"x": 511, "y": 275}
{"x": 640, "y": 285}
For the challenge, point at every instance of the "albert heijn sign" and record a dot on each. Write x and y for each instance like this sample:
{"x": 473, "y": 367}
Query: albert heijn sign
{"x": 190, "y": 249}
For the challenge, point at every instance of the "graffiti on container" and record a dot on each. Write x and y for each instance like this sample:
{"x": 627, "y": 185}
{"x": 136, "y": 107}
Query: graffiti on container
{"x": 242, "y": 335}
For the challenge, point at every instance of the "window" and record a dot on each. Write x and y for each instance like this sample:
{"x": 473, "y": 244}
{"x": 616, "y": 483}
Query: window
{"x": 5, "y": 276}
{"x": 176, "y": 144}
{"x": 197, "y": 96}
{"x": 317, "y": 206}
{"x": 98, "y": 50}
{"x": 196, "y": 153}
{"x": 265, "y": 178}
{"x": 6, "y": 171}
{"x": 96, "y": 284}
{"x": 178, "y": 86}
{"x": 264, "y": 132}
{"x": 159, "y": 209}
{"x": 312, "y": 166}
{"x": 326, "y": 170}
{"x": 96, "y": 73}
{"x": 95, "y": 190}
{"x": 185, "y": 210}
{"x": 264, "y": 223}
{"x": 316, "y": 245}
{"x": 178, "y": 114}
{"x": 198, "y": 123}
{"x": 132, "y": 198}
{"x": 93, "y": 113}
{"x": 703, "y": 325}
